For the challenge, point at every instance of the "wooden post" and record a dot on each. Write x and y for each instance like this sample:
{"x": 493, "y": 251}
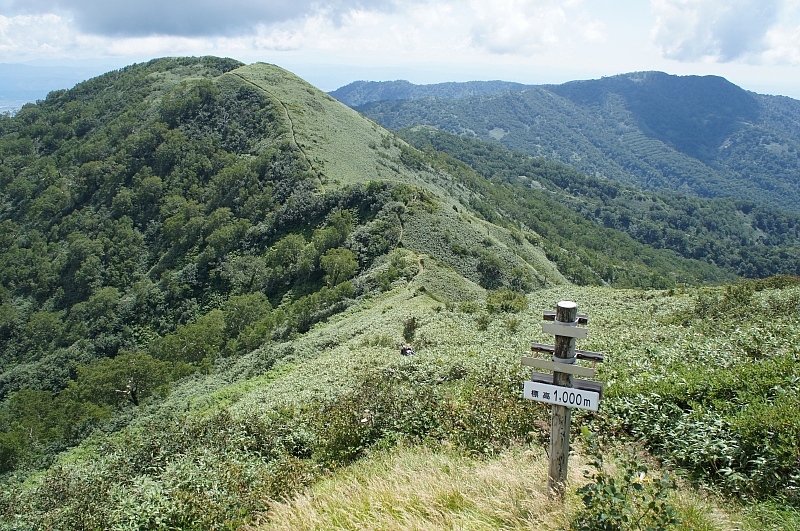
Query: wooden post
{"x": 566, "y": 312}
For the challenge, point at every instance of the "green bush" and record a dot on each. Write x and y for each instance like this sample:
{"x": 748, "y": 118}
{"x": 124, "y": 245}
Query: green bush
{"x": 468, "y": 306}
{"x": 410, "y": 326}
{"x": 490, "y": 268}
{"x": 478, "y": 408}
{"x": 735, "y": 427}
{"x": 635, "y": 500}
{"x": 512, "y": 324}
{"x": 505, "y": 300}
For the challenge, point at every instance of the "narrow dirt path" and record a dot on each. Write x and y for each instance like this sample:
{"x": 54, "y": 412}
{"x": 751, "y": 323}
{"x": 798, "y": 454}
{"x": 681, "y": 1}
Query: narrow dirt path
{"x": 291, "y": 125}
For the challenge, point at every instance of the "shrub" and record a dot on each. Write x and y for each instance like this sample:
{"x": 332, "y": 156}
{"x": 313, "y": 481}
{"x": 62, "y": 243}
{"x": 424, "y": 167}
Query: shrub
{"x": 505, "y": 300}
{"x": 410, "y": 328}
{"x": 735, "y": 427}
{"x": 632, "y": 502}
{"x": 491, "y": 268}
{"x": 521, "y": 279}
{"x": 468, "y": 307}
{"x": 512, "y": 324}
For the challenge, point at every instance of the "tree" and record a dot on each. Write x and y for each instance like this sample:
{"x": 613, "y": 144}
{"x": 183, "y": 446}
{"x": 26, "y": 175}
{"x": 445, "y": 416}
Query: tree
{"x": 491, "y": 267}
{"x": 339, "y": 265}
{"x": 128, "y": 378}
{"x": 197, "y": 343}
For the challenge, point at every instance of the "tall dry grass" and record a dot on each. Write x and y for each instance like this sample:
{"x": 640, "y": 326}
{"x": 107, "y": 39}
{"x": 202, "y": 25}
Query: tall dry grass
{"x": 420, "y": 489}
{"x": 416, "y": 489}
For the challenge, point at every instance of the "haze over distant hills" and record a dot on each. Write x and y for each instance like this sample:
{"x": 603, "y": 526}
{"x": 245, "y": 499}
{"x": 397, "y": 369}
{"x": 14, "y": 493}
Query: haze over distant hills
{"x": 362, "y": 92}
{"x": 21, "y": 84}
{"x": 698, "y": 135}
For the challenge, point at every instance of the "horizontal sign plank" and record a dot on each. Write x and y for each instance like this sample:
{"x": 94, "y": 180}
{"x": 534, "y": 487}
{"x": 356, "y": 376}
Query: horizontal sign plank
{"x": 560, "y": 329}
{"x": 580, "y": 354}
{"x": 561, "y": 396}
{"x": 547, "y": 365}
{"x": 550, "y": 315}
{"x": 577, "y": 383}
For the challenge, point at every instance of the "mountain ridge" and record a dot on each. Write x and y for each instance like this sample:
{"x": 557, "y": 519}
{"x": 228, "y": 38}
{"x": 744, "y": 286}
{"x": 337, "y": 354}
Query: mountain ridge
{"x": 656, "y": 131}
{"x": 361, "y": 92}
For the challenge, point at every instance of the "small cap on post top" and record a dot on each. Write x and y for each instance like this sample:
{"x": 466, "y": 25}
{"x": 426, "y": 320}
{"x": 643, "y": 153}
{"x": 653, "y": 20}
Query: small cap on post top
{"x": 566, "y": 312}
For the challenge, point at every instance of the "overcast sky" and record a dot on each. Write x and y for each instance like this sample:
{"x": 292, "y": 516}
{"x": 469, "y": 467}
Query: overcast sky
{"x": 753, "y": 43}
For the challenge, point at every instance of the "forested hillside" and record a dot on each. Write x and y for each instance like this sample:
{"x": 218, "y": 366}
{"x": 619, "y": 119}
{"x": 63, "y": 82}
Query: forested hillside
{"x": 742, "y": 237}
{"x": 154, "y": 220}
{"x": 697, "y": 135}
{"x": 207, "y": 268}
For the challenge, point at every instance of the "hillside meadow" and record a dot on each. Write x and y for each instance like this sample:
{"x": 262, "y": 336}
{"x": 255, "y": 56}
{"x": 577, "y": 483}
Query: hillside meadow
{"x": 699, "y": 382}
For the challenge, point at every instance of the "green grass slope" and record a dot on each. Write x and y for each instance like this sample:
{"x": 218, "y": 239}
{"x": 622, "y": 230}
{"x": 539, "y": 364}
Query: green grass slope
{"x": 344, "y": 148}
{"x": 334, "y": 139}
{"x": 340, "y": 143}
{"x": 221, "y": 448}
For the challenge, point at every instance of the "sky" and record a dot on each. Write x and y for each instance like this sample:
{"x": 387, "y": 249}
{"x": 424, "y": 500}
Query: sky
{"x": 753, "y": 43}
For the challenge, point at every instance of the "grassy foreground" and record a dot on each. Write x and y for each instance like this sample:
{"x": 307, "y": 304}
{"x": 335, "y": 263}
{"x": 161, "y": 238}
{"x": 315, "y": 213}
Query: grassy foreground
{"x": 336, "y": 430}
{"x": 653, "y": 340}
{"x": 421, "y": 489}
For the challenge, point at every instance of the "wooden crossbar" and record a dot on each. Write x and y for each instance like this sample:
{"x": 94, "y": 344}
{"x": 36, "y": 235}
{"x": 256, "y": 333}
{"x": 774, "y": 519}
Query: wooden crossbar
{"x": 580, "y": 354}
{"x": 588, "y": 385}
{"x": 550, "y": 315}
{"x": 547, "y": 365}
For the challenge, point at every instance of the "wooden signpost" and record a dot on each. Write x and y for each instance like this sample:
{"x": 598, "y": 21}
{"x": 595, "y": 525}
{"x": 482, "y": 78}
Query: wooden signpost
{"x": 560, "y": 388}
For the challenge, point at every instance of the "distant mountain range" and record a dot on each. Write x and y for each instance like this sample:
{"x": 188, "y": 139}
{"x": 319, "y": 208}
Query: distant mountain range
{"x": 362, "y": 92}
{"x": 698, "y": 135}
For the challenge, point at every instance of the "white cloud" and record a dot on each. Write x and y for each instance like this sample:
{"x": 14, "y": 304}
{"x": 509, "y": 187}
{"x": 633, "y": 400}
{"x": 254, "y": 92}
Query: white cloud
{"x": 433, "y": 29}
{"x": 753, "y": 31}
{"x": 783, "y": 46}
{"x": 50, "y": 36}
{"x": 513, "y": 39}
{"x": 191, "y": 18}
{"x": 430, "y": 30}
{"x": 29, "y": 36}
{"x": 783, "y": 39}
{"x": 526, "y": 27}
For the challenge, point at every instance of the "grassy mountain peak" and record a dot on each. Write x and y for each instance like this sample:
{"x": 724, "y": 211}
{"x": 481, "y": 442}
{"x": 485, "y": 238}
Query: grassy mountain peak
{"x": 332, "y": 138}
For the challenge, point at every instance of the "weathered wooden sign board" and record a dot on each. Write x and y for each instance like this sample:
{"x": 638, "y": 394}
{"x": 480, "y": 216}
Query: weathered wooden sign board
{"x": 562, "y": 396}
{"x": 561, "y": 388}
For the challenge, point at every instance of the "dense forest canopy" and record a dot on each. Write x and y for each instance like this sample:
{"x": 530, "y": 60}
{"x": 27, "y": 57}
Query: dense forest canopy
{"x": 159, "y": 216}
